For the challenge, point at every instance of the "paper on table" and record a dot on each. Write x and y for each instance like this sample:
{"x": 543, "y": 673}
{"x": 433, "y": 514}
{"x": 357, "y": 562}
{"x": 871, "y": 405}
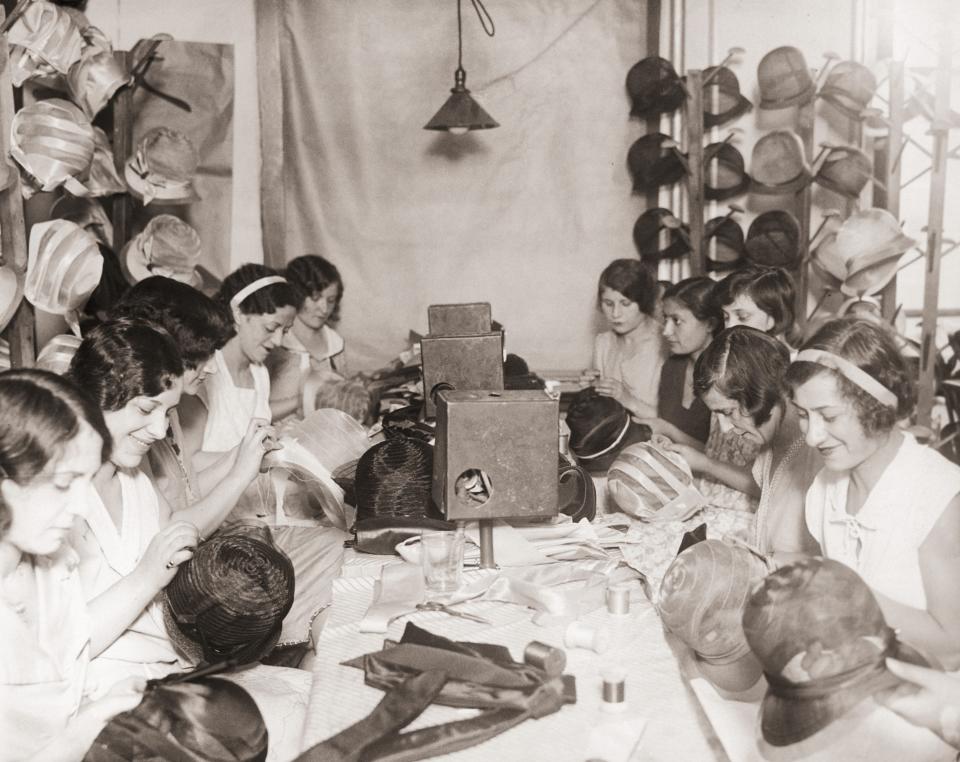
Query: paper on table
{"x": 615, "y": 738}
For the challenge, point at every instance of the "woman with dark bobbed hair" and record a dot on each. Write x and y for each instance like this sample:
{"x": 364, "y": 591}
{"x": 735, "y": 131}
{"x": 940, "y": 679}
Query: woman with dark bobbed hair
{"x": 883, "y": 504}
{"x": 52, "y": 441}
{"x": 628, "y": 356}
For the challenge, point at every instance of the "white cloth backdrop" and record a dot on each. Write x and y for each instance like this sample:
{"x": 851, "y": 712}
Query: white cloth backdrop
{"x": 524, "y": 216}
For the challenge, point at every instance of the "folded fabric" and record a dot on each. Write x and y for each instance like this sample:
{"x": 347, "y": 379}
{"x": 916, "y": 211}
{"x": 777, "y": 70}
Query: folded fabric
{"x": 383, "y": 535}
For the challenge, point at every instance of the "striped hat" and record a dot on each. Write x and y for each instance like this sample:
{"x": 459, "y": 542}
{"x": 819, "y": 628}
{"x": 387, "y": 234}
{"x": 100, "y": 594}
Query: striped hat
{"x": 44, "y": 42}
{"x": 96, "y": 76}
{"x": 58, "y": 352}
{"x": 650, "y": 483}
{"x": 11, "y": 292}
{"x": 88, "y": 213}
{"x": 54, "y": 142}
{"x": 162, "y": 168}
{"x": 104, "y": 180}
{"x": 64, "y": 266}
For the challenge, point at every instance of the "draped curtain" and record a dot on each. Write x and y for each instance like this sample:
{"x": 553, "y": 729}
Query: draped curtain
{"x": 524, "y": 216}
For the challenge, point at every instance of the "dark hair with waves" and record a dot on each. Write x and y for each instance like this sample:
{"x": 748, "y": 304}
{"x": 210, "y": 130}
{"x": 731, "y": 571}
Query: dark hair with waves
{"x": 312, "y": 274}
{"x": 634, "y": 279}
{"x": 771, "y": 288}
{"x": 696, "y": 294}
{"x": 263, "y": 301}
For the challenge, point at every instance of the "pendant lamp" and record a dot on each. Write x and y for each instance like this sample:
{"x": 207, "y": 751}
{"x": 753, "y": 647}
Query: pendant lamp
{"x": 461, "y": 113}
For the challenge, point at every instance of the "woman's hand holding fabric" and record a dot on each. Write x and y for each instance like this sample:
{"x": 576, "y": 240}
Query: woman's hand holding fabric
{"x": 259, "y": 439}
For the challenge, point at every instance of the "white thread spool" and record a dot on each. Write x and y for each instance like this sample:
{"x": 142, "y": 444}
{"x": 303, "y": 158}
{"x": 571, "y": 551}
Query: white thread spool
{"x": 581, "y": 635}
{"x": 618, "y": 600}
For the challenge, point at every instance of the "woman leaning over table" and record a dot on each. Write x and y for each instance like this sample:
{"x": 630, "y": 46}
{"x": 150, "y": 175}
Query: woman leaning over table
{"x": 883, "y": 504}
{"x": 52, "y": 441}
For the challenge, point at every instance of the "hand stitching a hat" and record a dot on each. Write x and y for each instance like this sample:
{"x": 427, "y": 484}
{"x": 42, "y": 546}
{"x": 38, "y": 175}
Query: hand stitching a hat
{"x": 928, "y": 698}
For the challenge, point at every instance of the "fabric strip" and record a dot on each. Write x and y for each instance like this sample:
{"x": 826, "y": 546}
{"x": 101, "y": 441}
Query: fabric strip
{"x": 237, "y": 299}
{"x": 852, "y": 373}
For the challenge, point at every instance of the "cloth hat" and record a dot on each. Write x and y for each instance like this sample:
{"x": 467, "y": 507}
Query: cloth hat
{"x": 4, "y": 355}
{"x": 162, "y": 168}
{"x": 863, "y": 253}
{"x": 845, "y": 170}
{"x": 58, "y": 352}
{"x": 722, "y": 99}
{"x": 729, "y": 250}
{"x": 724, "y": 173}
{"x": 231, "y": 597}
{"x": 394, "y": 478}
{"x": 599, "y": 428}
{"x": 88, "y": 213}
{"x": 778, "y": 165}
{"x": 64, "y": 266}
{"x": 654, "y": 87}
{"x": 54, "y": 143}
{"x": 104, "y": 180}
{"x": 186, "y": 718}
{"x": 773, "y": 240}
{"x": 167, "y": 246}
{"x": 655, "y": 160}
{"x": 11, "y": 293}
{"x": 850, "y": 87}
{"x": 653, "y": 484}
{"x": 94, "y": 79}
{"x": 45, "y": 41}
{"x": 784, "y": 79}
{"x": 658, "y": 234}
{"x": 703, "y": 594}
{"x": 819, "y": 634}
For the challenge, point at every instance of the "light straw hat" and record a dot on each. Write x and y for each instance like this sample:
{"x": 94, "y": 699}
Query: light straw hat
{"x": 167, "y": 246}
{"x": 162, "y": 168}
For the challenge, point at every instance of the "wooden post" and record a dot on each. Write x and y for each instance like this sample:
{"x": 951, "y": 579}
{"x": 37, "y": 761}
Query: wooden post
{"x": 122, "y": 148}
{"x": 806, "y": 115}
{"x": 938, "y": 180}
{"x": 13, "y": 234}
{"x": 694, "y": 130}
{"x": 887, "y": 169}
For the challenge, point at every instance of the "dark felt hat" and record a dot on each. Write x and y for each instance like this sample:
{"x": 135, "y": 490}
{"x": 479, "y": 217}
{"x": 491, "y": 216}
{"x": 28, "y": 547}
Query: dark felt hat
{"x": 655, "y": 160}
{"x": 784, "y": 79}
{"x": 724, "y": 173}
{"x": 729, "y": 250}
{"x": 599, "y": 428}
{"x": 722, "y": 99}
{"x": 820, "y": 636}
{"x": 394, "y": 478}
{"x": 844, "y": 170}
{"x": 778, "y": 165}
{"x": 229, "y": 600}
{"x": 654, "y": 87}
{"x": 773, "y": 240}
{"x": 850, "y": 87}
{"x": 658, "y": 234}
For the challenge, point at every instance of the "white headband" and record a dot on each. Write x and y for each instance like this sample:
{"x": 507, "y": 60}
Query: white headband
{"x": 852, "y": 373}
{"x": 259, "y": 283}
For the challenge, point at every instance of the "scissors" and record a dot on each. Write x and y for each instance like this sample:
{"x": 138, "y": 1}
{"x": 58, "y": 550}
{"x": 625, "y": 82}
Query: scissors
{"x": 437, "y": 606}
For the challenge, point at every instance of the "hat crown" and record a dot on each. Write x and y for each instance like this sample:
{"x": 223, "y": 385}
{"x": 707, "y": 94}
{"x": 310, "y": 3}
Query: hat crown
{"x": 853, "y": 80}
{"x": 784, "y": 78}
{"x": 866, "y": 231}
{"x": 169, "y": 153}
{"x": 653, "y": 160}
{"x": 654, "y": 86}
{"x": 778, "y": 157}
{"x": 394, "y": 478}
{"x": 594, "y": 421}
{"x": 64, "y": 266}
{"x": 643, "y": 479}
{"x": 172, "y": 243}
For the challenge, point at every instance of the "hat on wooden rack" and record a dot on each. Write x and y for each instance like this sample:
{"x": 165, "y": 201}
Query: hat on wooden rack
{"x": 167, "y": 246}
{"x": 844, "y": 170}
{"x": 94, "y": 79}
{"x": 64, "y": 266}
{"x": 88, "y": 213}
{"x": 722, "y": 99}
{"x": 773, "y": 240}
{"x": 58, "y": 352}
{"x": 850, "y": 86}
{"x": 820, "y": 636}
{"x": 654, "y": 87}
{"x": 778, "y": 165}
{"x": 723, "y": 171}
{"x": 54, "y": 142}
{"x": 655, "y": 160}
{"x": 11, "y": 293}
{"x": 728, "y": 251}
{"x": 599, "y": 428}
{"x": 44, "y": 42}
{"x": 784, "y": 79}
{"x": 104, "y": 180}
{"x": 163, "y": 167}
{"x": 658, "y": 234}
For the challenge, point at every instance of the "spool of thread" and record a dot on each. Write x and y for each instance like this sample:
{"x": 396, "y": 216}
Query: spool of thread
{"x": 618, "y": 600}
{"x": 548, "y": 658}
{"x": 581, "y": 635}
{"x": 614, "y": 690}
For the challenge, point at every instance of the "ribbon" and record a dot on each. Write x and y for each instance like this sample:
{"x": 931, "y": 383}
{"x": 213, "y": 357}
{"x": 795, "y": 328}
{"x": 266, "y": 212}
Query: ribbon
{"x": 237, "y": 299}
{"x": 150, "y": 185}
{"x": 852, "y": 373}
{"x": 50, "y": 41}
{"x": 51, "y": 148}
{"x": 94, "y": 79}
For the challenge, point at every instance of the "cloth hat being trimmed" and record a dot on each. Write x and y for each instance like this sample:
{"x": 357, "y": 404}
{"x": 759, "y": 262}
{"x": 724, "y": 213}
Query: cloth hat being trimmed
{"x": 820, "y": 636}
{"x": 229, "y": 600}
{"x": 654, "y": 87}
{"x": 784, "y": 79}
{"x": 54, "y": 142}
{"x": 163, "y": 167}
{"x": 88, "y": 213}
{"x": 723, "y": 171}
{"x": 653, "y": 484}
{"x": 729, "y": 250}
{"x": 655, "y": 160}
{"x": 167, "y": 246}
{"x": 394, "y": 478}
{"x": 104, "y": 180}
{"x": 850, "y": 87}
{"x": 845, "y": 170}
{"x": 11, "y": 293}
{"x": 64, "y": 266}
{"x": 722, "y": 99}
{"x": 58, "y": 352}
{"x": 778, "y": 165}
{"x": 658, "y": 234}
{"x": 773, "y": 240}
{"x": 703, "y": 594}
{"x": 44, "y": 42}
{"x": 599, "y": 428}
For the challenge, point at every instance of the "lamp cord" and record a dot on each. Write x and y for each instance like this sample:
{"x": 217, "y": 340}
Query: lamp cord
{"x": 486, "y": 21}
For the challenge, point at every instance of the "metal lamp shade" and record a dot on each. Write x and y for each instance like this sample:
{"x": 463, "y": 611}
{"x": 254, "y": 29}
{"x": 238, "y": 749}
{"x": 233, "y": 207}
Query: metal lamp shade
{"x": 461, "y": 111}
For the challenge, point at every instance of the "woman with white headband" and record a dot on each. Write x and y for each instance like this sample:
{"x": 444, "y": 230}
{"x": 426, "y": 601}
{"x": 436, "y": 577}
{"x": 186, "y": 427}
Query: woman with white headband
{"x": 883, "y": 504}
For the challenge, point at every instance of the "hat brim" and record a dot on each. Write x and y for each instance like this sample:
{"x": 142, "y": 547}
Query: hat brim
{"x": 742, "y": 106}
{"x": 807, "y": 95}
{"x": 829, "y": 184}
{"x": 791, "y": 187}
{"x": 720, "y": 194}
{"x": 784, "y": 722}
{"x": 636, "y": 432}
{"x": 837, "y": 98}
{"x": 137, "y": 269}
{"x": 675, "y": 250}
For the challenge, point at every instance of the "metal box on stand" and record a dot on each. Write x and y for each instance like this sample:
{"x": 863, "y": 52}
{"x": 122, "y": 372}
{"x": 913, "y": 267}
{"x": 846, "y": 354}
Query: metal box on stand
{"x": 464, "y": 362}
{"x": 459, "y": 319}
